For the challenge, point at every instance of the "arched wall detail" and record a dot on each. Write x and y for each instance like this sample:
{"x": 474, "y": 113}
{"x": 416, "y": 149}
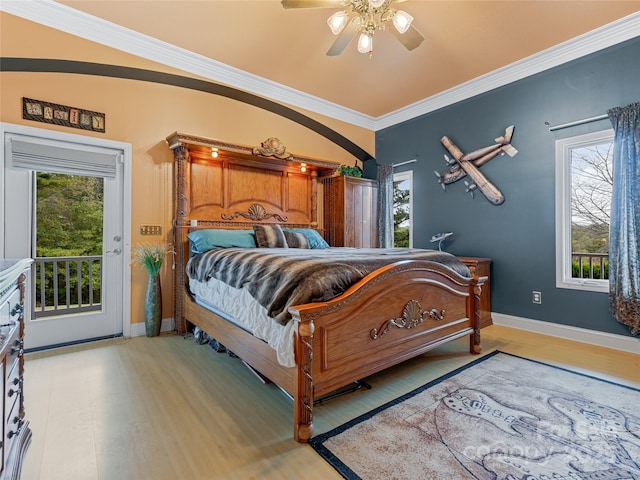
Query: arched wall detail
{"x": 41, "y": 65}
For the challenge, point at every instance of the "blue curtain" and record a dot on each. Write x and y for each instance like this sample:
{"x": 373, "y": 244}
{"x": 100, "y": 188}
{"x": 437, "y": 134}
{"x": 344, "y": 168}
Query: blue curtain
{"x": 624, "y": 229}
{"x": 385, "y": 206}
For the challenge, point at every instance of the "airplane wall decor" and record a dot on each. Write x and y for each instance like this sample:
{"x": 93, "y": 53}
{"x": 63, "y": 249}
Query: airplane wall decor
{"x": 441, "y": 237}
{"x": 469, "y": 164}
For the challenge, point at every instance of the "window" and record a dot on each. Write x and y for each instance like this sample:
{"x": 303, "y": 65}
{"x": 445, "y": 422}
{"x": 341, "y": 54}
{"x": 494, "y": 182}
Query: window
{"x": 403, "y": 209}
{"x": 584, "y": 180}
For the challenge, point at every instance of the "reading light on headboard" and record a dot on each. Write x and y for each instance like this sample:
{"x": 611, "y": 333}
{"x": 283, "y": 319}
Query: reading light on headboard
{"x": 303, "y": 167}
{"x": 214, "y": 152}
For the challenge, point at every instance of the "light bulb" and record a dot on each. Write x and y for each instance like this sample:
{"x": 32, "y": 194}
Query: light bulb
{"x": 303, "y": 167}
{"x": 338, "y": 21}
{"x": 376, "y": 3}
{"x": 214, "y": 152}
{"x": 402, "y": 21}
{"x": 365, "y": 43}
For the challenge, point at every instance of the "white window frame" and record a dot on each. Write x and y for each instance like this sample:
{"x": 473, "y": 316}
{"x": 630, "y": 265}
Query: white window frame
{"x": 401, "y": 177}
{"x": 564, "y": 147}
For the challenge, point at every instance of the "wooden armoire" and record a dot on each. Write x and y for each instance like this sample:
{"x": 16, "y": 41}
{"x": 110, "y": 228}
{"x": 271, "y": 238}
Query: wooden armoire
{"x": 350, "y": 212}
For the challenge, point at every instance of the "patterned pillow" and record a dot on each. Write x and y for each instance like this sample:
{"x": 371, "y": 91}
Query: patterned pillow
{"x": 269, "y": 236}
{"x": 296, "y": 240}
{"x": 313, "y": 237}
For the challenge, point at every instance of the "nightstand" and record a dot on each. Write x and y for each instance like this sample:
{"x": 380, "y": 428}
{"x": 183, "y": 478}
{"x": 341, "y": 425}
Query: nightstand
{"x": 482, "y": 268}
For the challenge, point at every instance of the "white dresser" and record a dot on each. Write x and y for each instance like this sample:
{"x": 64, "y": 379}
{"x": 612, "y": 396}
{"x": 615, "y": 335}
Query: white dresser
{"x": 16, "y": 434}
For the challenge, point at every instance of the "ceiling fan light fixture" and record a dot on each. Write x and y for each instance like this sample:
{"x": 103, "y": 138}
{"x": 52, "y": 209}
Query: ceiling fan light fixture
{"x": 365, "y": 43}
{"x": 338, "y": 21}
{"x": 363, "y": 18}
{"x": 376, "y": 3}
{"x": 402, "y": 21}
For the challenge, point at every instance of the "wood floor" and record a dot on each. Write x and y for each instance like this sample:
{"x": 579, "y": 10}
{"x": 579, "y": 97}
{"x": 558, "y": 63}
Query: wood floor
{"x": 166, "y": 408}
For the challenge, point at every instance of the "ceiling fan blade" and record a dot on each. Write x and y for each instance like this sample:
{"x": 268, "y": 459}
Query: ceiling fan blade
{"x": 411, "y": 39}
{"x": 344, "y": 39}
{"x": 311, "y": 3}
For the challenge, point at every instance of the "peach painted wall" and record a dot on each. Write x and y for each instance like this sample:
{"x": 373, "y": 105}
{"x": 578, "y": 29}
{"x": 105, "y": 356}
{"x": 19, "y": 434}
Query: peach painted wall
{"x": 143, "y": 114}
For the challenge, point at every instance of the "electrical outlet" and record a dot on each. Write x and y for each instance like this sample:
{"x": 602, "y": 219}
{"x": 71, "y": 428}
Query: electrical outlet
{"x": 536, "y": 297}
{"x": 150, "y": 230}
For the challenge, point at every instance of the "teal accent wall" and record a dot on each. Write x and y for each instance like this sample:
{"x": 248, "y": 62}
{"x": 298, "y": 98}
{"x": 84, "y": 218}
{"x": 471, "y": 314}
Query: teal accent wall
{"x": 518, "y": 235}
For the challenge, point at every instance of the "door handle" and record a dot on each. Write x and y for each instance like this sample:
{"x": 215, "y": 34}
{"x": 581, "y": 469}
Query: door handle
{"x": 116, "y": 251}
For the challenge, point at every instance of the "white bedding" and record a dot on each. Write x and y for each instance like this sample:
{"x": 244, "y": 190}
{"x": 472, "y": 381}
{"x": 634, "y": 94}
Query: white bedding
{"x": 239, "y": 307}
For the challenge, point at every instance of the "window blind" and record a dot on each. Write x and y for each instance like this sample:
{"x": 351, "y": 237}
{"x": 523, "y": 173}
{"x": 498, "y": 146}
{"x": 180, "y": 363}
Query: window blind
{"x": 53, "y": 156}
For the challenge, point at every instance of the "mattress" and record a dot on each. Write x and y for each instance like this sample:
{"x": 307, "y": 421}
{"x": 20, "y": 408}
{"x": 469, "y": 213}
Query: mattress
{"x": 237, "y": 306}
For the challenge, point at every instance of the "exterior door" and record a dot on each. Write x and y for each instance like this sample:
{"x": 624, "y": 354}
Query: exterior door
{"x": 72, "y": 297}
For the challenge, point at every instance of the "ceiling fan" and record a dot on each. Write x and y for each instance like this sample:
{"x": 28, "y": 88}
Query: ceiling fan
{"x": 364, "y": 17}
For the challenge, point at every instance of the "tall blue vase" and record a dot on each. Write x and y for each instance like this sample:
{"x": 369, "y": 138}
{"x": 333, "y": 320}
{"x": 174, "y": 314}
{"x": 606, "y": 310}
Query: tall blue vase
{"x": 153, "y": 307}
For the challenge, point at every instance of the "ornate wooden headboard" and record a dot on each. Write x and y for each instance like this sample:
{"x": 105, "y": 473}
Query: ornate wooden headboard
{"x": 223, "y": 185}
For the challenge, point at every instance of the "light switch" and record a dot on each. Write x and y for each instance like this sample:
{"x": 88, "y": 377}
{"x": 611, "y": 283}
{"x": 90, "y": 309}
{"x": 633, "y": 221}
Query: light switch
{"x": 150, "y": 230}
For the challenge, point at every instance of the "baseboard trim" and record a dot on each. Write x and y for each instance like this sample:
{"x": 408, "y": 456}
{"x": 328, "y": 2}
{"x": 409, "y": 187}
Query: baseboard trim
{"x": 592, "y": 337}
{"x": 138, "y": 329}
{"x": 70, "y": 344}
{"x": 577, "y": 334}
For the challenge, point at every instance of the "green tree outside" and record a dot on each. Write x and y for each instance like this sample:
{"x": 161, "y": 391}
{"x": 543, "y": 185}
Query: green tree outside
{"x": 69, "y": 215}
{"x": 69, "y": 223}
{"x": 400, "y": 215}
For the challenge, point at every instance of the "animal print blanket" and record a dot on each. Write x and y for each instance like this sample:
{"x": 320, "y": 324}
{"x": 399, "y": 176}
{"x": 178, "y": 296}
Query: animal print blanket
{"x": 282, "y": 277}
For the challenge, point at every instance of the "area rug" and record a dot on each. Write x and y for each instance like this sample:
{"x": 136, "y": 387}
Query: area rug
{"x": 502, "y": 417}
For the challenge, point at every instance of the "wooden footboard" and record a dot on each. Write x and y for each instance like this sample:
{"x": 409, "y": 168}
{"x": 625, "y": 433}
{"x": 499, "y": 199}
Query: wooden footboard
{"x": 395, "y": 313}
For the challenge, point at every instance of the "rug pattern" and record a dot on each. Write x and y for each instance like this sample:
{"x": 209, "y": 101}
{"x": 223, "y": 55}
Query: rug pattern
{"x": 501, "y": 417}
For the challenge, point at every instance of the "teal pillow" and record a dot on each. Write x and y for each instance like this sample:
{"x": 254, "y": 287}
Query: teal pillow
{"x": 313, "y": 237}
{"x": 204, "y": 240}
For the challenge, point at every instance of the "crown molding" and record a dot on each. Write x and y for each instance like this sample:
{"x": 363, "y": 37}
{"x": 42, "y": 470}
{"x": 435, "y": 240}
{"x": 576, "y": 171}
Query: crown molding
{"x": 75, "y": 22}
{"x": 590, "y": 42}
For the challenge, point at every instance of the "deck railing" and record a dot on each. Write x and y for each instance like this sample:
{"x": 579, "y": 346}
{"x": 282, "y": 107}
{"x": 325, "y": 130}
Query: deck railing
{"x": 590, "y": 265}
{"x": 67, "y": 285}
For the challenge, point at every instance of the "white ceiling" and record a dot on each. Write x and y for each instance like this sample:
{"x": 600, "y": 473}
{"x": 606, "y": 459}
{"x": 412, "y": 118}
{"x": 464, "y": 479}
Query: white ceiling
{"x": 470, "y": 46}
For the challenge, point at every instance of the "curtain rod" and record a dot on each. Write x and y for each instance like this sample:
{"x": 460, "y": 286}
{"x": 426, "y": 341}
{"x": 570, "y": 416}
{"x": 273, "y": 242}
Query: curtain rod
{"x": 394, "y": 165}
{"x": 578, "y": 122}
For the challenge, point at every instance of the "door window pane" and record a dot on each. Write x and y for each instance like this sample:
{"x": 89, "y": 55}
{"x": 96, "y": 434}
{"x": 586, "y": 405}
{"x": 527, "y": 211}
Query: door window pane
{"x": 69, "y": 232}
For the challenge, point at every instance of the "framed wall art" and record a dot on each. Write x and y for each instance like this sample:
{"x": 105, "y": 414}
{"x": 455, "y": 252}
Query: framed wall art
{"x": 47, "y": 112}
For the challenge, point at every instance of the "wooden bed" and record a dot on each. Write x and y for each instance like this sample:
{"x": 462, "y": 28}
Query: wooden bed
{"x": 395, "y": 313}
